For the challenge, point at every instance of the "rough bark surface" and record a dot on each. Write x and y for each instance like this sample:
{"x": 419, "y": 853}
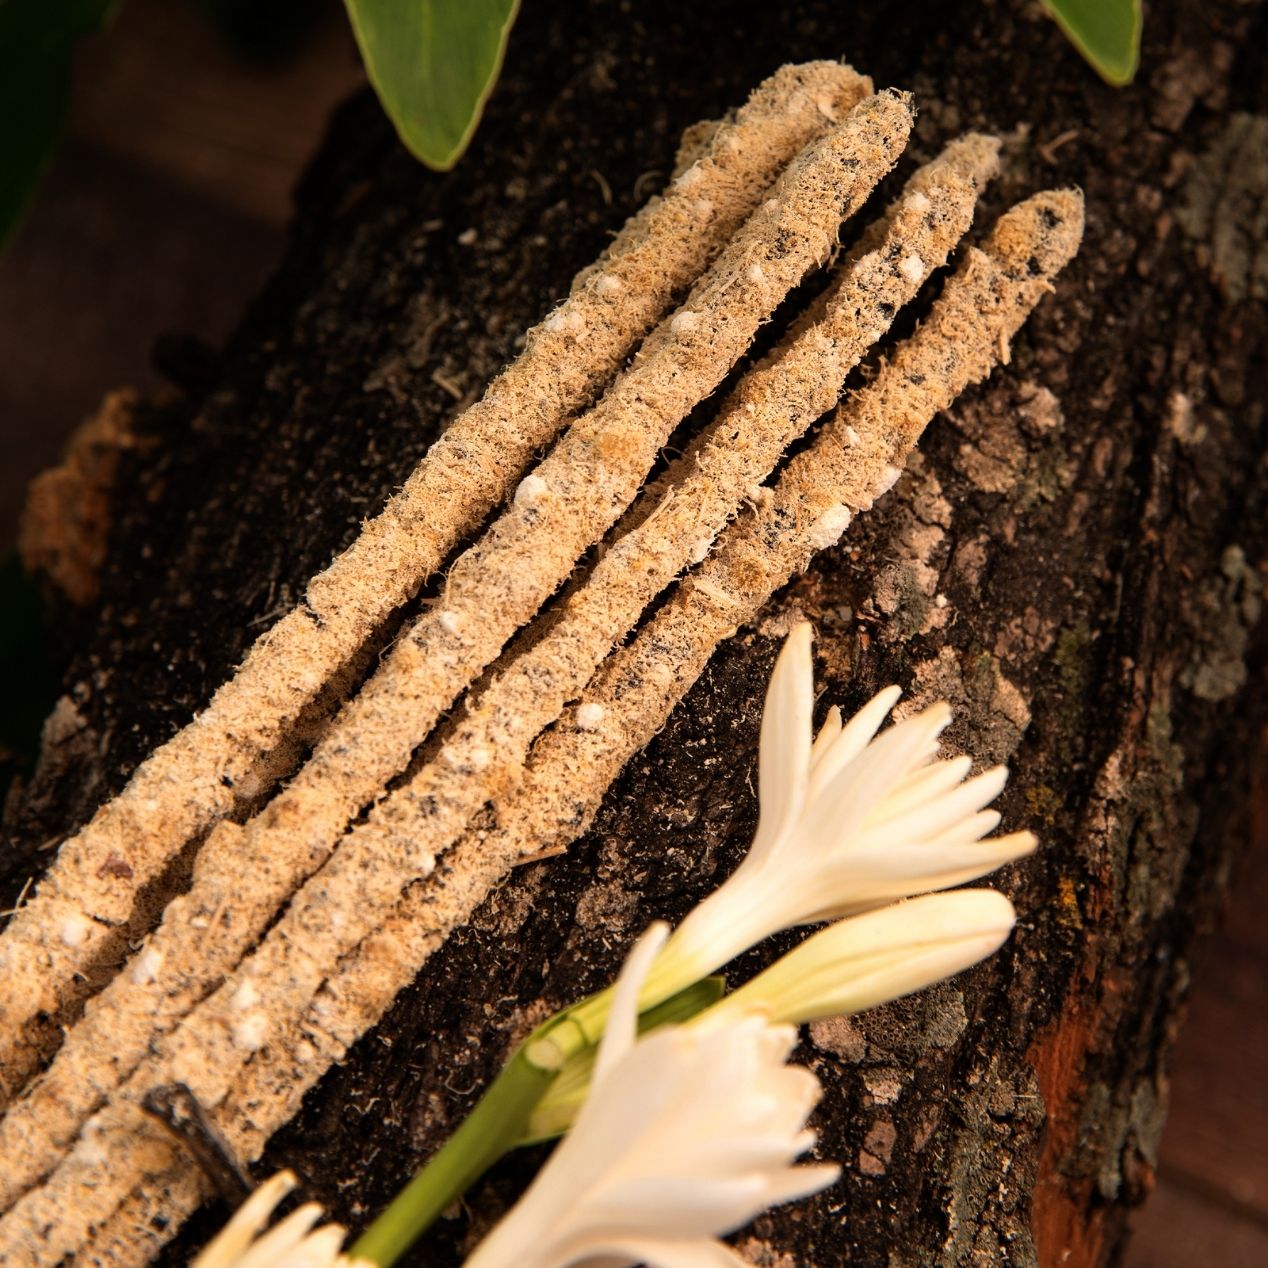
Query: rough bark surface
{"x": 1076, "y": 560}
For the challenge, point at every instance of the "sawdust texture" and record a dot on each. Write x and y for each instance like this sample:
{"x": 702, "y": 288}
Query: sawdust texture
{"x": 195, "y": 778}
{"x": 852, "y": 461}
{"x": 769, "y": 408}
{"x": 66, "y": 518}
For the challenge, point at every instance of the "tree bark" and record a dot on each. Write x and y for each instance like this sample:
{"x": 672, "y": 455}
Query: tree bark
{"x": 1076, "y": 560}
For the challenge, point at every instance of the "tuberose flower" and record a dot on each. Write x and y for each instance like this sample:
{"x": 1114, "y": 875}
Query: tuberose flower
{"x": 849, "y": 821}
{"x": 687, "y": 1134}
{"x": 292, "y": 1243}
{"x": 870, "y": 959}
{"x": 852, "y": 965}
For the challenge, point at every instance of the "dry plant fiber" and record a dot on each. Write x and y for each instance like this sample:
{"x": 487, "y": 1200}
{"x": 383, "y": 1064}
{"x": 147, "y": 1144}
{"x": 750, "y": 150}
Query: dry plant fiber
{"x": 591, "y": 476}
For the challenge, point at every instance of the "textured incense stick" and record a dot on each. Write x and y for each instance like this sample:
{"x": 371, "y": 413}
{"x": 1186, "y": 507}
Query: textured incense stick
{"x": 575, "y": 494}
{"x": 197, "y": 777}
{"x": 770, "y": 407}
{"x": 850, "y": 462}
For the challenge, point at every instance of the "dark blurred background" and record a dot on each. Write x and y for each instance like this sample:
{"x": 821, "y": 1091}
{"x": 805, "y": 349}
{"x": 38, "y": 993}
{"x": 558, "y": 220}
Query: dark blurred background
{"x": 165, "y": 205}
{"x": 164, "y": 210}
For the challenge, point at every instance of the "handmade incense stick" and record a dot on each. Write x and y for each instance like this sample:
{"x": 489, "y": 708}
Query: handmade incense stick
{"x": 850, "y": 463}
{"x": 199, "y": 776}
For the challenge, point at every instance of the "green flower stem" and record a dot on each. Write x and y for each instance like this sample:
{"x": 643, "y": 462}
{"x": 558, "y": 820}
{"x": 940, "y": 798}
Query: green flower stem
{"x": 501, "y": 1118}
{"x": 491, "y": 1129}
{"x": 555, "y": 1113}
{"x": 590, "y": 1016}
{"x": 663, "y": 984}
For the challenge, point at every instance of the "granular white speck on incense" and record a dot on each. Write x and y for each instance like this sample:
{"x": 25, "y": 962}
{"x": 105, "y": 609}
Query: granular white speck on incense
{"x": 196, "y": 778}
{"x": 968, "y": 330}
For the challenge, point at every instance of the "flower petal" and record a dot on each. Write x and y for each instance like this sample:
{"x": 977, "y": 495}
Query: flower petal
{"x": 919, "y": 788}
{"x": 882, "y": 955}
{"x": 622, "y": 1026}
{"x": 678, "y": 1205}
{"x": 784, "y": 754}
{"x": 844, "y": 795}
{"x": 856, "y": 735}
{"x": 282, "y": 1238}
{"x": 319, "y": 1249}
{"x": 655, "y": 1252}
{"x": 946, "y": 811}
{"x": 876, "y": 874}
{"x": 246, "y": 1222}
{"x": 828, "y": 734}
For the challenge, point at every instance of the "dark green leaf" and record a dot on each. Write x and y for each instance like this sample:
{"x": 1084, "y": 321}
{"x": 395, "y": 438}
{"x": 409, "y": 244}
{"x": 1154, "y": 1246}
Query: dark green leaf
{"x": 433, "y": 64}
{"x": 1106, "y": 32}
{"x": 36, "y": 41}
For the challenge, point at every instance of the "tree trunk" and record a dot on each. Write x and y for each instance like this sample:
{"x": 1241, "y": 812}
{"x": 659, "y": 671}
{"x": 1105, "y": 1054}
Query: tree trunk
{"x": 1075, "y": 560}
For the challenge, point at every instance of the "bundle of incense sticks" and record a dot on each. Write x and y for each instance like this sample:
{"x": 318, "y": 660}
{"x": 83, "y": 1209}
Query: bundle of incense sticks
{"x": 298, "y": 928}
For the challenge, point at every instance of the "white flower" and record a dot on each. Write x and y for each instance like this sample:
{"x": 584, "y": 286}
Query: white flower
{"x": 848, "y": 823}
{"x": 686, "y": 1135}
{"x": 867, "y": 960}
{"x": 293, "y": 1243}
{"x": 852, "y": 965}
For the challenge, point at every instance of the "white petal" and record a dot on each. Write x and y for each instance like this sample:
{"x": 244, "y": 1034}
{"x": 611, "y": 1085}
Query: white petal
{"x": 856, "y": 735}
{"x": 951, "y": 808}
{"x": 643, "y": 1087}
{"x": 921, "y": 787}
{"x": 866, "y": 960}
{"x": 317, "y": 1250}
{"x": 784, "y": 755}
{"x": 876, "y": 872}
{"x": 842, "y": 804}
{"x": 760, "y": 898}
{"x": 282, "y": 1238}
{"x": 654, "y": 1251}
{"x": 246, "y": 1222}
{"x": 754, "y": 1152}
{"x": 681, "y": 1206}
{"x": 933, "y": 870}
{"x": 877, "y": 843}
{"x": 800, "y": 1182}
{"x": 622, "y": 1026}
{"x": 827, "y": 736}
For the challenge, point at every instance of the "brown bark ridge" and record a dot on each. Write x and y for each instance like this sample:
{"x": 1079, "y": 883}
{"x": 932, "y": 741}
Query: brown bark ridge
{"x": 1076, "y": 559}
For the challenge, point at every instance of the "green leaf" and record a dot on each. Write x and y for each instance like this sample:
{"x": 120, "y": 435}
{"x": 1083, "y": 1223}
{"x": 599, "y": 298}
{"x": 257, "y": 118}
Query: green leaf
{"x": 36, "y": 41}
{"x": 1106, "y": 32}
{"x": 433, "y": 64}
